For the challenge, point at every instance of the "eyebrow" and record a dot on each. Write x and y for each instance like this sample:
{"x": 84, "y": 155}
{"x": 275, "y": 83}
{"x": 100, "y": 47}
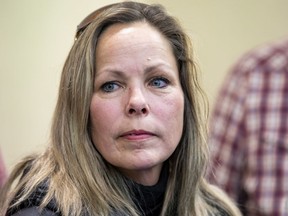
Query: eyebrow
{"x": 149, "y": 69}
{"x": 116, "y": 73}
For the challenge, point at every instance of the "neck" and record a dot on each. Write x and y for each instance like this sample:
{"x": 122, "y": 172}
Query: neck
{"x": 149, "y": 199}
{"x": 146, "y": 177}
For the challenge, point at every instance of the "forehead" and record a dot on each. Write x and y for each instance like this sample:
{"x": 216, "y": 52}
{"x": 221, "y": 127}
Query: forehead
{"x": 132, "y": 35}
{"x": 133, "y": 47}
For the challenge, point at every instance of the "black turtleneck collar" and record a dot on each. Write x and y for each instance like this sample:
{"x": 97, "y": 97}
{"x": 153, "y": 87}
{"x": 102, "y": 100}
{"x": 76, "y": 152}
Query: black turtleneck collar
{"x": 149, "y": 199}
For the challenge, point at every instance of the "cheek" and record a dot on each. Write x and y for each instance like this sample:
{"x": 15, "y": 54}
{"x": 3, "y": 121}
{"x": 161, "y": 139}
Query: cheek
{"x": 173, "y": 124}
{"x": 171, "y": 113}
{"x": 174, "y": 106}
{"x": 102, "y": 115}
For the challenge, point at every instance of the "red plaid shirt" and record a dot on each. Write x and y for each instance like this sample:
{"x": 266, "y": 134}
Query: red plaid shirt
{"x": 249, "y": 132}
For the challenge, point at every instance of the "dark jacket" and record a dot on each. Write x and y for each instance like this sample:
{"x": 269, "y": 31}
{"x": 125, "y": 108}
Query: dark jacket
{"x": 30, "y": 207}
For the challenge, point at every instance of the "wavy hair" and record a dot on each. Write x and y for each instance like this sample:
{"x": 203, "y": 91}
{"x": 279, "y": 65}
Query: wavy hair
{"x": 80, "y": 180}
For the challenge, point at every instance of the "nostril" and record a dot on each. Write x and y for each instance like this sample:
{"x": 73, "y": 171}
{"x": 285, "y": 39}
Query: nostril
{"x": 144, "y": 110}
{"x": 140, "y": 111}
{"x": 131, "y": 111}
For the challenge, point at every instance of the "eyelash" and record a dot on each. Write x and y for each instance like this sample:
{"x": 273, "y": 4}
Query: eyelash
{"x": 116, "y": 85}
{"x": 162, "y": 79}
{"x": 107, "y": 84}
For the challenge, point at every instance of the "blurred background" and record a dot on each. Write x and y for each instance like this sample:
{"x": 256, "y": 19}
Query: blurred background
{"x": 35, "y": 38}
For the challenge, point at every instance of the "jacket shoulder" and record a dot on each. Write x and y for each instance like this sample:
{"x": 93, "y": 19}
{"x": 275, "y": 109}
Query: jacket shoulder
{"x": 30, "y": 206}
{"x": 34, "y": 211}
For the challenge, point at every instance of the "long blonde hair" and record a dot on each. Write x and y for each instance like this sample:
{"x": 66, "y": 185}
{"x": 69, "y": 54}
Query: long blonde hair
{"x": 80, "y": 180}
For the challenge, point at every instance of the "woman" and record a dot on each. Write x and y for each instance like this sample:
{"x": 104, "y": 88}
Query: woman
{"x": 127, "y": 134}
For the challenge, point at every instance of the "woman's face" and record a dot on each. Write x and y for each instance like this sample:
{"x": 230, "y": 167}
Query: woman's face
{"x": 138, "y": 104}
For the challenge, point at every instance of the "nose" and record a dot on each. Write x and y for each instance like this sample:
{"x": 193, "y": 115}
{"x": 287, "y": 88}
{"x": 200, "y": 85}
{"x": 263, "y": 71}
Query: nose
{"x": 137, "y": 103}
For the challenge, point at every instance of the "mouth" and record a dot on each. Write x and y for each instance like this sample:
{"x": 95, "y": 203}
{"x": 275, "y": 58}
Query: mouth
{"x": 137, "y": 135}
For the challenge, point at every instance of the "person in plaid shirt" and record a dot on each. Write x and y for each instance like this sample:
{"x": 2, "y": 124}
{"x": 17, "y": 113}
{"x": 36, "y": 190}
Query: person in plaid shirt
{"x": 249, "y": 132}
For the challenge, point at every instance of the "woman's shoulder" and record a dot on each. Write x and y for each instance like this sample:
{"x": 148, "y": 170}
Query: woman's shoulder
{"x": 31, "y": 205}
{"x": 35, "y": 211}
{"x": 218, "y": 201}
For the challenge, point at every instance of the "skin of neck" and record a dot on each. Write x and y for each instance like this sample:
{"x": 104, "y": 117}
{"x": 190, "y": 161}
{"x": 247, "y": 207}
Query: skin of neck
{"x": 144, "y": 177}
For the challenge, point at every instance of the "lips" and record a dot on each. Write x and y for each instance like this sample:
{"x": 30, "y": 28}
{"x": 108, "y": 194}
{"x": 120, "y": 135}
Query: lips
{"x": 137, "y": 135}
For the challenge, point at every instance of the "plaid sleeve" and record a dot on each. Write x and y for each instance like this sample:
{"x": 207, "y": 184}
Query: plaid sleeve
{"x": 226, "y": 135}
{"x": 249, "y": 132}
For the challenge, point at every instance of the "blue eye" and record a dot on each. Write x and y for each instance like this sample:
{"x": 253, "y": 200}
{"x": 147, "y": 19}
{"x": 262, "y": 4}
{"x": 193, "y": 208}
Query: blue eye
{"x": 159, "y": 82}
{"x": 110, "y": 87}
